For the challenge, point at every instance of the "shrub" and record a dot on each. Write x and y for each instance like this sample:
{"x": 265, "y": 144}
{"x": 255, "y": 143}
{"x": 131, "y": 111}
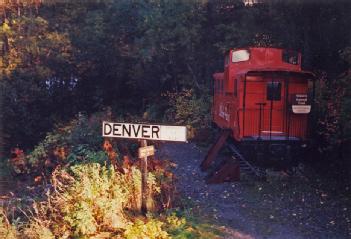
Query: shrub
{"x": 7, "y": 231}
{"x": 36, "y": 230}
{"x": 182, "y": 224}
{"x": 150, "y": 229}
{"x": 86, "y": 199}
{"x": 90, "y": 193}
{"x": 18, "y": 161}
{"x": 87, "y": 131}
{"x": 188, "y": 108}
{"x": 44, "y": 149}
{"x": 97, "y": 196}
{"x": 78, "y": 139}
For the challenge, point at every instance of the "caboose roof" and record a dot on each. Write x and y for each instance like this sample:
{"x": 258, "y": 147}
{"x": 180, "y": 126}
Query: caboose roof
{"x": 265, "y": 58}
{"x": 276, "y": 72}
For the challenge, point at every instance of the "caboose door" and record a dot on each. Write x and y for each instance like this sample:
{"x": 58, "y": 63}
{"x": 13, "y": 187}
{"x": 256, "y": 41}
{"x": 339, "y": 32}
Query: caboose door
{"x": 273, "y": 109}
{"x": 265, "y": 99}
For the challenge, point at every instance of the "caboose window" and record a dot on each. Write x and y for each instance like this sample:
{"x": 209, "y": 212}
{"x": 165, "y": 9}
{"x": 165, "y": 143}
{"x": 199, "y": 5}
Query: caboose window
{"x": 274, "y": 91}
{"x": 291, "y": 57}
{"x": 241, "y": 55}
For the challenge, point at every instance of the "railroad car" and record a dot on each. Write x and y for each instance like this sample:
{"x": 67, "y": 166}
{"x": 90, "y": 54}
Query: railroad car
{"x": 263, "y": 97}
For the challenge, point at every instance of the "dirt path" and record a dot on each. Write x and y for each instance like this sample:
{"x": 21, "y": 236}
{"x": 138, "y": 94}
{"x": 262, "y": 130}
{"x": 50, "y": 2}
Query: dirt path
{"x": 258, "y": 209}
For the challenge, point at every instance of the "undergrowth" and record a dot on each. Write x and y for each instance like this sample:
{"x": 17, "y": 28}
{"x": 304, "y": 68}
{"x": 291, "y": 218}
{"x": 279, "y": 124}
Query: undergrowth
{"x": 91, "y": 188}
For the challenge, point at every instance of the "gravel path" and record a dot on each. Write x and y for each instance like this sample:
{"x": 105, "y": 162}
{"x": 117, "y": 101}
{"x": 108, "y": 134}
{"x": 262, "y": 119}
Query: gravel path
{"x": 245, "y": 208}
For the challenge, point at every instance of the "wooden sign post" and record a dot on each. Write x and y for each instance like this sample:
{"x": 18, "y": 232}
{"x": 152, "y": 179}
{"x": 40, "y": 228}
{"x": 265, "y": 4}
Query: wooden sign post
{"x": 144, "y": 174}
{"x": 144, "y": 132}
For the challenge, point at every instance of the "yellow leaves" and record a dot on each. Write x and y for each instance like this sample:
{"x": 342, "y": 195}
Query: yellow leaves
{"x": 5, "y": 28}
{"x": 7, "y": 231}
{"x": 151, "y": 229}
{"x": 36, "y": 230}
{"x": 96, "y": 198}
{"x": 175, "y": 222}
{"x": 29, "y": 44}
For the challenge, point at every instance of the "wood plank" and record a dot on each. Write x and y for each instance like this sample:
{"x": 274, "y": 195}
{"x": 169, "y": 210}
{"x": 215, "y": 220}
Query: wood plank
{"x": 215, "y": 148}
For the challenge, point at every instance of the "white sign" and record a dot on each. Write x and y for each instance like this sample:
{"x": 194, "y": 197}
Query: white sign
{"x": 147, "y": 151}
{"x": 144, "y": 131}
{"x": 300, "y": 104}
{"x": 301, "y": 109}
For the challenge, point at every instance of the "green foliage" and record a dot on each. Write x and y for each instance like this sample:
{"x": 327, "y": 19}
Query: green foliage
{"x": 42, "y": 150}
{"x": 177, "y": 225}
{"x": 30, "y": 54}
{"x": 81, "y": 219}
{"x": 183, "y": 224}
{"x": 87, "y": 132}
{"x": 88, "y": 197}
{"x": 150, "y": 229}
{"x": 189, "y": 109}
{"x": 78, "y": 141}
{"x": 58, "y": 59}
{"x": 334, "y": 114}
{"x": 84, "y": 155}
{"x": 98, "y": 195}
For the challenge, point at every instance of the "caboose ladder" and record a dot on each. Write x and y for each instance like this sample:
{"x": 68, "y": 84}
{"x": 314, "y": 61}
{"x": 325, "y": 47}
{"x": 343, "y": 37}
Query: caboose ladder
{"x": 215, "y": 148}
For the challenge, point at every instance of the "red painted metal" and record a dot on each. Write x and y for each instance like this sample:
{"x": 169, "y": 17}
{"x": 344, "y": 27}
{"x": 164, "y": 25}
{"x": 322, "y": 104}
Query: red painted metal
{"x": 241, "y": 90}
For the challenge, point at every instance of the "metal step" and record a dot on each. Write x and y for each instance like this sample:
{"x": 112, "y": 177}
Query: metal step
{"x": 245, "y": 166}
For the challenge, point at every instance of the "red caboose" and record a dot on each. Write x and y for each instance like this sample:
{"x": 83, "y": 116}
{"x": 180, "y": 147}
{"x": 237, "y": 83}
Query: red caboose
{"x": 263, "y": 96}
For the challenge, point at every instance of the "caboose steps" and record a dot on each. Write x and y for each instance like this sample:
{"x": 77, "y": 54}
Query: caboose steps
{"x": 245, "y": 166}
{"x": 229, "y": 168}
{"x": 227, "y": 171}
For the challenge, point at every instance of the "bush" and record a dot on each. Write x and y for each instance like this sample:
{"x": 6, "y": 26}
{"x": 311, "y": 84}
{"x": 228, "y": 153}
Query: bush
{"x": 97, "y": 197}
{"x": 189, "y": 109}
{"x": 182, "y": 224}
{"x": 36, "y": 230}
{"x": 86, "y": 199}
{"x": 150, "y": 229}
{"x": 78, "y": 139}
{"x": 90, "y": 194}
{"x": 7, "y": 231}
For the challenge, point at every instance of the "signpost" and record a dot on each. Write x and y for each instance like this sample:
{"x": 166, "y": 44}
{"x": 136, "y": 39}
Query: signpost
{"x": 144, "y": 132}
{"x": 146, "y": 151}
{"x": 144, "y": 174}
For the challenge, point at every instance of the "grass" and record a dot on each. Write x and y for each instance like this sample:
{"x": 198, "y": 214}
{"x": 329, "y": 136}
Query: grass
{"x": 186, "y": 223}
